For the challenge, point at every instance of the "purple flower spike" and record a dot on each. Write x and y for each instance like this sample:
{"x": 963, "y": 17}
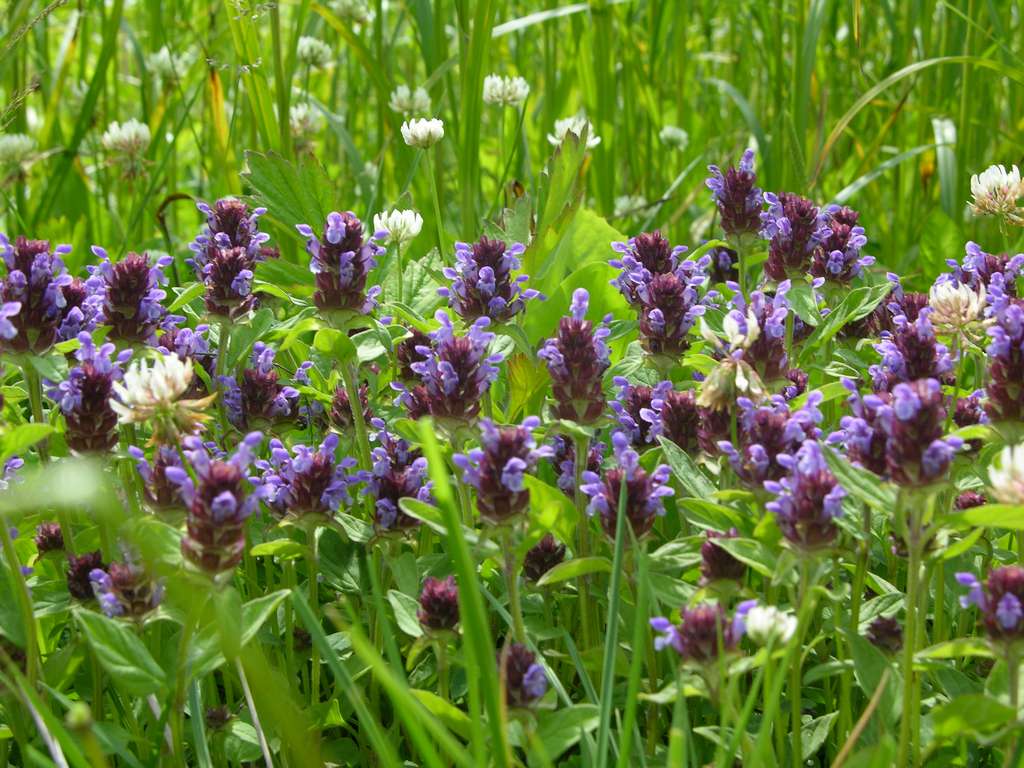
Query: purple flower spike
{"x": 737, "y": 196}
{"x": 439, "y": 605}
{"x": 563, "y": 458}
{"x": 642, "y": 258}
{"x": 79, "y": 569}
{"x": 716, "y": 562}
{"x": 455, "y": 371}
{"x": 767, "y": 353}
{"x": 808, "y": 500}
{"x": 1005, "y": 390}
{"x": 159, "y": 491}
{"x": 84, "y": 397}
{"x": 49, "y": 538}
{"x": 645, "y": 492}
{"x": 986, "y": 269}
{"x": 341, "y": 259}
{"x": 188, "y": 344}
{"x": 219, "y": 500}
{"x": 632, "y": 403}
{"x": 307, "y": 482}
{"x": 577, "y": 358}
{"x": 525, "y": 679}
{"x": 497, "y": 467}
{"x": 542, "y": 557}
{"x": 83, "y": 308}
{"x": 125, "y": 589}
{"x": 398, "y": 472}
{"x": 696, "y": 637}
{"x": 226, "y": 253}
{"x": 256, "y": 397}
{"x": 31, "y": 294}
{"x": 766, "y": 434}
{"x": 131, "y": 294}
{"x": 839, "y": 260}
{"x": 910, "y": 352}
{"x": 1000, "y": 600}
{"x": 795, "y": 229}
{"x": 482, "y": 281}
{"x": 674, "y": 415}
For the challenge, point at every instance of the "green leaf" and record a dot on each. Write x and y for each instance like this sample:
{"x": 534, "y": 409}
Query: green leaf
{"x": 753, "y": 553}
{"x": 814, "y": 733}
{"x": 454, "y": 718}
{"x": 990, "y": 516}
{"x": 550, "y": 509}
{"x": 863, "y": 485}
{"x": 356, "y": 530}
{"x": 686, "y": 472}
{"x": 293, "y": 193}
{"x": 285, "y": 549}
{"x": 205, "y": 655}
{"x": 560, "y": 731}
{"x": 16, "y": 441}
{"x": 868, "y": 667}
{"x": 801, "y": 298}
{"x": 335, "y": 344}
{"x": 243, "y": 336}
{"x": 958, "y": 648}
{"x": 228, "y": 604}
{"x": 185, "y": 295}
{"x": 970, "y": 715}
{"x": 405, "y": 608}
{"x": 572, "y": 569}
{"x": 122, "y": 654}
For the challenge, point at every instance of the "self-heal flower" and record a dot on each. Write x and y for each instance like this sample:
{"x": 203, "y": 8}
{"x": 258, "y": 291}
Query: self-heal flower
{"x": 159, "y": 491}
{"x": 542, "y": 557}
{"x": 704, "y": 630}
{"x": 398, "y": 472}
{"x": 422, "y": 133}
{"x": 1006, "y": 476}
{"x": 257, "y": 396}
{"x": 79, "y": 568}
{"x": 986, "y": 270}
{"x": 807, "y": 500}
{"x": 505, "y": 91}
{"x": 795, "y": 229}
{"x": 401, "y": 227}
{"x": 482, "y": 281}
{"x": 524, "y": 679}
{"x": 716, "y": 562}
{"x": 641, "y": 259}
{"x": 439, "y": 605}
{"x": 82, "y": 310}
{"x": 340, "y": 413}
{"x": 156, "y": 394}
{"x": 674, "y": 415}
{"x": 995, "y": 192}
{"x": 219, "y": 498}
{"x": 31, "y": 294}
{"x": 1005, "y": 388}
{"x": 630, "y": 405}
{"x": 341, "y": 259}
{"x": 84, "y": 397}
{"x": 125, "y": 589}
{"x": 456, "y": 371}
{"x": 189, "y": 344}
{"x": 886, "y": 634}
{"x": 839, "y": 258}
{"x": 563, "y": 459}
{"x": 910, "y": 352}
{"x": 131, "y": 294}
{"x": 49, "y": 538}
{"x": 577, "y": 358}
{"x": 576, "y": 125}
{"x": 303, "y": 482}
{"x": 1000, "y": 600}
{"x": 645, "y": 492}
{"x": 737, "y": 196}
{"x": 497, "y": 468}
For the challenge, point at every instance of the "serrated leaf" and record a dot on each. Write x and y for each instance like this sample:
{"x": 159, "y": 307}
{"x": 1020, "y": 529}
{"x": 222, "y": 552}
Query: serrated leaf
{"x": 293, "y": 193}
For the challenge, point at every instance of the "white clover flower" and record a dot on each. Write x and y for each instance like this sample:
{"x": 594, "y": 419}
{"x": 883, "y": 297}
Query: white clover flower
{"x": 154, "y": 394}
{"x": 409, "y": 102}
{"x": 402, "y": 226}
{"x": 15, "y": 149}
{"x": 766, "y": 624}
{"x": 955, "y": 305}
{"x": 313, "y": 52}
{"x": 353, "y": 11}
{"x": 630, "y": 205}
{"x": 168, "y": 66}
{"x": 1006, "y": 477}
{"x": 674, "y": 137}
{"x": 305, "y": 121}
{"x": 996, "y": 191}
{"x": 574, "y": 125}
{"x": 505, "y": 91}
{"x": 130, "y": 138}
{"x": 422, "y": 133}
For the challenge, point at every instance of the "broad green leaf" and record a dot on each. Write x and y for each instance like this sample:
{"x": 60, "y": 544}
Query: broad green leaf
{"x": 560, "y": 731}
{"x": 572, "y": 569}
{"x": 753, "y": 553}
{"x": 405, "y": 608}
{"x": 550, "y": 509}
{"x": 185, "y": 295}
{"x": 293, "y": 193}
{"x": 970, "y": 715}
{"x": 958, "y": 648}
{"x": 19, "y": 439}
{"x": 454, "y": 718}
{"x": 863, "y": 485}
{"x": 801, "y": 298}
{"x": 990, "y": 516}
{"x": 335, "y": 344}
{"x": 122, "y": 654}
{"x": 285, "y": 549}
{"x": 205, "y": 655}
{"x": 694, "y": 482}
{"x": 814, "y": 733}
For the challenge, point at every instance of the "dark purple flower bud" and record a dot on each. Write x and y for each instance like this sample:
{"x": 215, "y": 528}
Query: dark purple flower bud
{"x": 219, "y": 501}
{"x": 767, "y": 352}
{"x": 886, "y": 634}
{"x": 188, "y": 344}
{"x": 712, "y": 429}
{"x": 398, "y": 472}
{"x": 914, "y": 422}
{"x": 406, "y": 354}
{"x": 79, "y": 568}
{"x": 910, "y": 352}
{"x": 630, "y": 405}
{"x": 861, "y": 435}
{"x": 808, "y": 500}
{"x": 767, "y": 433}
{"x": 456, "y": 371}
{"x": 31, "y": 294}
{"x": 563, "y": 459}
{"x": 125, "y": 589}
{"x": 704, "y": 629}
{"x": 981, "y": 269}
{"x": 160, "y": 492}
{"x": 1000, "y": 600}
{"x": 415, "y": 401}
{"x": 969, "y": 499}
{"x": 497, "y": 468}
{"x": 257, "y": 397}
{"x": 724, "y": 265}
{"x": 795, "y": 229}
{"x": 577, "y": 358}
{"x": 439, "y": 605}
{"x": 839, "y": 259}
{"x": 482, "y": 282}
{"x": 525, "y": 680}
{"x": 643, "y": 258}
{"x": 737, "y": 196}
{"x": 131, "y": 295}
{"x": 341, "y": 260}
{"x": 49, "y": 538}
{"x": 230, "y": 224}
{"x": 542, "y": 557}
{"x": 716, "y": 564}
{"x": 645, "y": 491}
{"x": 341, "y": 408}
{"x": 797, "y": 385}
{"x": 674, "y": 415}
{"x": 1005, "y": 389}
{"x": 217, "y": 718}
{"x": 84, "y": 397}
{"x": 82, "y": 311}
{"x": 228, "y": 276}
{"x": 306, "y": 482}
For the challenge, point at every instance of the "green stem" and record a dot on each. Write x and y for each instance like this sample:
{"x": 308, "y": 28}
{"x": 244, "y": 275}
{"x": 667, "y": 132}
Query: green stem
{"x": 398, "y": 265}
{"x": 222, "y": 352}
{"x": 35, "y": 398}
{"x": 512, "y": 584}
{"x": 177, "y": 713}
{"x": 441, "y": 652}
{"x": 24, "y": 598}
{"x": 314, "y": 602}
{"x": 910, "y": 635}
{"x": 582, "y": 453}
{"x": 358, "y": 422}
{"x": 437, "y": 207}
{"x": 796, "y": 673}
